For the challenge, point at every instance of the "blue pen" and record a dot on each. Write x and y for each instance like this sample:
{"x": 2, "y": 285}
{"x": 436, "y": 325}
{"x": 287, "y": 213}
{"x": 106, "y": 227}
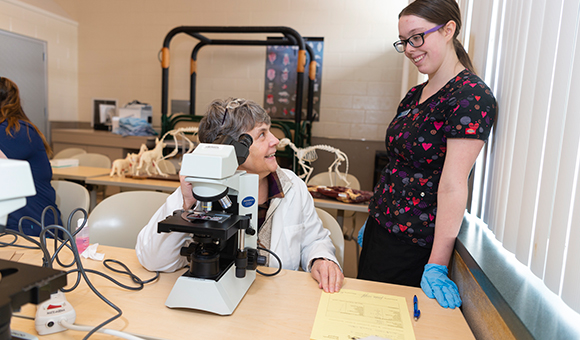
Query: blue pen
{"x": 416, "y": 310}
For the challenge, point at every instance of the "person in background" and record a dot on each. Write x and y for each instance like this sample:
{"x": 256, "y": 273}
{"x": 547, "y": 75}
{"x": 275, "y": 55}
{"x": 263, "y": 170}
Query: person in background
{"x": 287, "y": 221}
{"x": 20, "y": 139}
{"x": 432, "y": 143}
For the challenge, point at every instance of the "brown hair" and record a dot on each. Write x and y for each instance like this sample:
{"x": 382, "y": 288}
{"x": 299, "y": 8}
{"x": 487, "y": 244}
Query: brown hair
{"x": 440, "y": 12}
{"x": 11, "y": 111}
{"x": 242, "y": 116}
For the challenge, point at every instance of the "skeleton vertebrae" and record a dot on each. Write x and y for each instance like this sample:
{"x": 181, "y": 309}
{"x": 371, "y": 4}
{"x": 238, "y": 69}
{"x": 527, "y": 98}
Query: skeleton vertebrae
{"x": 309, "y": 155}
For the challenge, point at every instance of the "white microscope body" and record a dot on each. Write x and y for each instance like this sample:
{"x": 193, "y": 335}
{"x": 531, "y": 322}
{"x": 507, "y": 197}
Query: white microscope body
{"x": 16, "y": 183}
{"x": 223, "y": 253}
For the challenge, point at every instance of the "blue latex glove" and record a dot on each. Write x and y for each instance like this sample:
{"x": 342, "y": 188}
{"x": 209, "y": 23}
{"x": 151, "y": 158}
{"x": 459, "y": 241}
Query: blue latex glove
{"x": 436, "y": 284}
{"x": 361, "y": 233}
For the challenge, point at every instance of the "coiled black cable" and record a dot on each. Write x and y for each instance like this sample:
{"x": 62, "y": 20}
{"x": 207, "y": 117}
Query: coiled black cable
{"x": 277, "y": 258}
{"x": 67, "y": 240}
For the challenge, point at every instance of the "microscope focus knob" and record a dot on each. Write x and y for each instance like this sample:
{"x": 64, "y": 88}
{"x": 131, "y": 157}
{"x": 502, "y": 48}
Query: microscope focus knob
{"x": 251, "y": 231}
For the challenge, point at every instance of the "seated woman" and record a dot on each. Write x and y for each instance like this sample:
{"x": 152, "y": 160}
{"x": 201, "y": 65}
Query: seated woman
{"x": 288, "y": 223}
{"x": 20, "y": 139}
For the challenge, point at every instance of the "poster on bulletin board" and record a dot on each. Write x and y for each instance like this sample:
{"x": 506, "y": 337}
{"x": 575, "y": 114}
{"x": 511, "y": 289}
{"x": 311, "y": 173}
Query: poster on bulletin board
{"x": 281, "y": 79}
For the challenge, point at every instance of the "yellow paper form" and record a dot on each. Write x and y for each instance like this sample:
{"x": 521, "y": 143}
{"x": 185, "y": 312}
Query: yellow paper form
{"x": 351, "y": 314}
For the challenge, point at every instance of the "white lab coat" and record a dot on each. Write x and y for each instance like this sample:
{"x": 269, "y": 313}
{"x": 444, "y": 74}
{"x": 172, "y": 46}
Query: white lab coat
{"x": 297, "y": 233}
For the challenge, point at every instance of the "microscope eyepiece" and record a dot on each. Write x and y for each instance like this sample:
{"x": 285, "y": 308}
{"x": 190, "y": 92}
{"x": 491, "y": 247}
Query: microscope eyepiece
{"x": 246, "y": 140}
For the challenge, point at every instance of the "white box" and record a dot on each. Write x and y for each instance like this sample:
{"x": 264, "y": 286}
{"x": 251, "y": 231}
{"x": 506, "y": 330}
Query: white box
{"x": 64, "y": 162}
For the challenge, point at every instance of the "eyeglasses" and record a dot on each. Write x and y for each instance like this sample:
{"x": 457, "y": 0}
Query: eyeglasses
{"x": 231, "y": 106}
{"x": 416, "y": 40}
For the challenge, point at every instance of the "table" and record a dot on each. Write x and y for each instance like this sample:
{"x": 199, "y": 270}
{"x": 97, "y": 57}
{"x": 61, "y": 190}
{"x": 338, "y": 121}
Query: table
{"x": 144, "y": 184}
{"x": 81, "y": 173}
{"x": 170, "y": 186}
{"x": 95, "y": 141}
{"x": 78, "y": 173}
{"x": 279, "y": 307}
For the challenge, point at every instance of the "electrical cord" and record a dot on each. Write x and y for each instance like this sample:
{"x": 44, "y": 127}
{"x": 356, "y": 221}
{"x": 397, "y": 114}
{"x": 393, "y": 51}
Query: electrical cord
{"x": 67, "y": 240}
{"x": 12, "y": 243}
{"x": 140, "y": 283}
{"x": 277, "y": 258}
{"x": 82, "y": 273}
{"x": 119, "y": 334}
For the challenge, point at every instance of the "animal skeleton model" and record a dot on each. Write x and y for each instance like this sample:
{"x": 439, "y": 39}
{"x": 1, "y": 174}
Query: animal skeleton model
{"x": 152, "y": 158}
{"x": 309, "y": 155}
{"x": 127, "y": 164}
{"x": 180, "y": 132}
{"x": 123, "y": 165}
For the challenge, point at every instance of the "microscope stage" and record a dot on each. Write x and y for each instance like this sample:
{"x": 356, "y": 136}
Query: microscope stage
{"x": 218, "y": 225}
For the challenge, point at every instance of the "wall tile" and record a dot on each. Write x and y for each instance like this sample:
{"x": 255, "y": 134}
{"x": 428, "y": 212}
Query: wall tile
{"x": 116, "y": 44}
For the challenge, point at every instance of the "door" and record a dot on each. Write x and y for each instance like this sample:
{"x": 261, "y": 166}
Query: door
{"x": 23, "y": 60}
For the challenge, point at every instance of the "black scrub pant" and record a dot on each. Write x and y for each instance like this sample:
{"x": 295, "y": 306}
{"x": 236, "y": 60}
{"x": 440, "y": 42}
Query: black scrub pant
{"x": 385, "y": 258}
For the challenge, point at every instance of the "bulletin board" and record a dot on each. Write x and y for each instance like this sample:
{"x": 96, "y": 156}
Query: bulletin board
{"x": 280, "y": 80}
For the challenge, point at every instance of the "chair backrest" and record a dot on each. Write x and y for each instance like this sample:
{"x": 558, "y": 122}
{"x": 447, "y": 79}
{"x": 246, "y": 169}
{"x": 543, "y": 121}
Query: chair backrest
{"x": 118, "y": 219}
{"x": 70, "y": 196}
{"x": 93, "y": 159}
{"x": 167, "y": 167}
{"x": 324, "y": 179}
{"x": 68, "y": 153}
{"x": 335, "y": 233}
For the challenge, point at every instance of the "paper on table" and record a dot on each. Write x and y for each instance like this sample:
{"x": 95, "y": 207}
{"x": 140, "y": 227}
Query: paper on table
{"x": 351, "y": 314}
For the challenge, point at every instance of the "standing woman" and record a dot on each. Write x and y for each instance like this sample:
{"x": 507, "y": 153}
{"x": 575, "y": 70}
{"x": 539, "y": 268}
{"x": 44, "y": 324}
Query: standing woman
{"x": 20, "y": 139}
{"x": 432, "y": 144}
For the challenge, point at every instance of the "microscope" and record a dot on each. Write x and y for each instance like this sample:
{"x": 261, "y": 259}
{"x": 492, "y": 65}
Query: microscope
{"x": 20, "y": 283}
{"x": 222, "y": 255}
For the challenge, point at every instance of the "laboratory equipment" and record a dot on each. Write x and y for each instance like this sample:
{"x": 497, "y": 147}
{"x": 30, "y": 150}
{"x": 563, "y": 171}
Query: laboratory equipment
{"x": 223, "y": 255}
{"x": 20, "y": 283}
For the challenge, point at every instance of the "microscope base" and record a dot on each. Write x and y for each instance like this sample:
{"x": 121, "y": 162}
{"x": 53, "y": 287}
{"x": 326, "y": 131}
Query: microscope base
{"x": 219, "y": 297}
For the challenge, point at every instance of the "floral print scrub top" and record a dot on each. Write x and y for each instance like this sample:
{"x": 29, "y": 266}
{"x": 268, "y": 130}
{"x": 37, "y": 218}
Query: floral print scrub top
{"x": 405, "y": 198}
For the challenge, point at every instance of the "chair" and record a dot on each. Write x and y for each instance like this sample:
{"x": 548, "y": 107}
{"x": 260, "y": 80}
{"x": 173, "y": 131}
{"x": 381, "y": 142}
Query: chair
{"x": 167, "y": 167}
{"x": 93, "y": 159}
{"x": 98, "y": 161}
{"x": 70, "y": 196}
{"x": 336, "y": 235}
{"x": 118, "y": 219}
{"x": 68, "y": 153}
{"x": 324, "y": 179}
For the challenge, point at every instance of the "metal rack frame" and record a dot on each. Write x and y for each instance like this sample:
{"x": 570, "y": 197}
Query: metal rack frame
{"x": 302, "y": 129}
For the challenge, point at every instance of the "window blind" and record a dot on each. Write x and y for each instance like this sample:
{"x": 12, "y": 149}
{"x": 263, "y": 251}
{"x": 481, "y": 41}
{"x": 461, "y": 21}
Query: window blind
{"x": 529, "y": 54}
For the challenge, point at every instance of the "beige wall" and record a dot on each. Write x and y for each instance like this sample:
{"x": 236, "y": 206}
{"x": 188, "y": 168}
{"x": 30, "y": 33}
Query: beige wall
{"x": 119, "y": 43}
{"x": 112, "y": 53}
{"x": 60, "y": 33}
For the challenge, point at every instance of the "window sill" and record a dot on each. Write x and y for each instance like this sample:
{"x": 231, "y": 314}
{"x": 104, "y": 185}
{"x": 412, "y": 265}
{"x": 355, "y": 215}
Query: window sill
{"x": 525, "y": 304}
